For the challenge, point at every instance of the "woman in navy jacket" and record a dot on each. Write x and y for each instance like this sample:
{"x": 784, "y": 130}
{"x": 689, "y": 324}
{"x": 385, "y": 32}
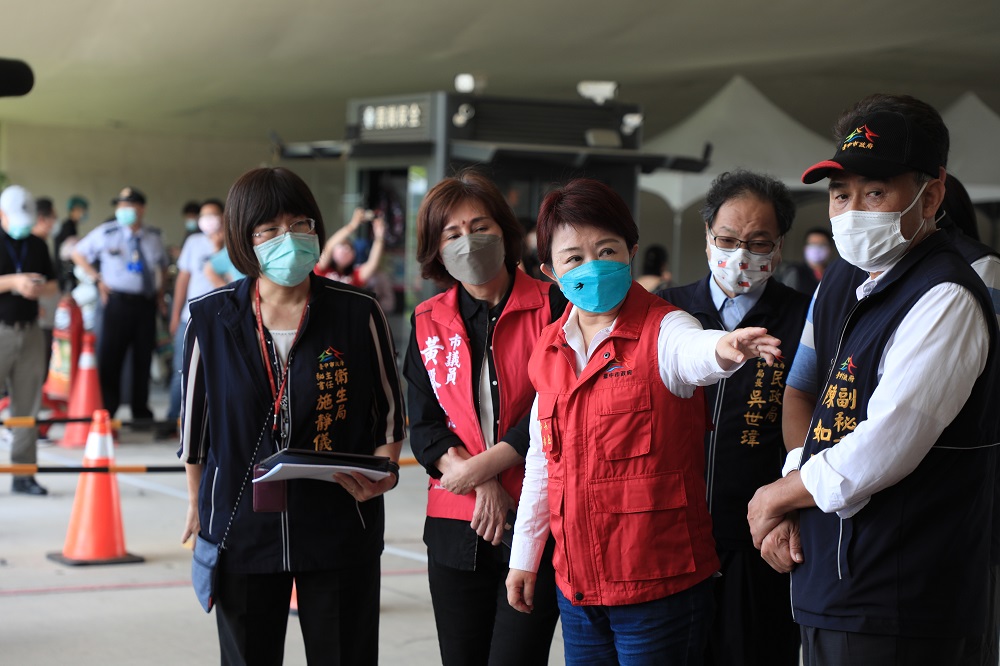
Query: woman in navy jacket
{"x": 285, "y": 359}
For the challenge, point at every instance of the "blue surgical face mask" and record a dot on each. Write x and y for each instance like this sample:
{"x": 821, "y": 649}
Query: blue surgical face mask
{"x": 289, "y": 258}
{"x": 126, "y": 216}
{"x": 191, "y": 224}
{"x": 597, "y": 286}
{"x": 19, "y": 232}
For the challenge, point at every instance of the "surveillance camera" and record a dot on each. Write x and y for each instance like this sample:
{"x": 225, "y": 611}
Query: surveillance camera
{"x": 597, "y": 91}
{"x": 463, "y": 115}
{"x": 630, "y": 123}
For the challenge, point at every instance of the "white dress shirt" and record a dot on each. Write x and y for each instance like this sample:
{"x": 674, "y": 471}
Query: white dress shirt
{"x": 686, "y": 360}
{"x": 926, "y": 374}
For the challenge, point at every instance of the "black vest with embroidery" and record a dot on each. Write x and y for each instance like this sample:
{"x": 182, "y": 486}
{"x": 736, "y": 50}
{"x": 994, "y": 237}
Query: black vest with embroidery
{"x": 913, "y": 561}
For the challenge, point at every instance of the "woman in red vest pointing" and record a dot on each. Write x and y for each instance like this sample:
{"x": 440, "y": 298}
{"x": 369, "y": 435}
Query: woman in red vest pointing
{"x": 615, "y": 469}
{"x": 469, "y": 397}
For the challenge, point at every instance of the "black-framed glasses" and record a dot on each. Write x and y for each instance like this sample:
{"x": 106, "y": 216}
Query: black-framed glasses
{"x": 753, "y": 246}
{"x": 303, "y": 226}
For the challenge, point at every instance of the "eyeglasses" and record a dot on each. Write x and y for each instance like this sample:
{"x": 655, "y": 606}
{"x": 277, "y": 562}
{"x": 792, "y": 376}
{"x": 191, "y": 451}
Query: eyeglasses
{"x": 303, "y": 226}
{"x": 754, "y": 246}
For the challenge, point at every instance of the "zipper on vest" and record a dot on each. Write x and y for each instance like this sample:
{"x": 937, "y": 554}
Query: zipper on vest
{"x": 833, "y": 361}
{"x": 840, "y": 541}
{"x": 211, "y": 515}
{"x": 713, "y": 441}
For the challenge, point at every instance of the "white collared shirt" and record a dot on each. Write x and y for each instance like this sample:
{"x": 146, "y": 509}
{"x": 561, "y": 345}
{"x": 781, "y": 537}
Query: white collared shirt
{"x": 733, "y": 309}
{"x": 926, "y": 374}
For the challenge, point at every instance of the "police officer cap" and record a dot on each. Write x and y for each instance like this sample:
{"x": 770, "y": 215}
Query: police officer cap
{"x": 130, "y": 195}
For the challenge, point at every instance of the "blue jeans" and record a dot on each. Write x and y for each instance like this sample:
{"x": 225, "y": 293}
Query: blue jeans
{"x": 175, "y": 374}
{"x": 668, "y": 632}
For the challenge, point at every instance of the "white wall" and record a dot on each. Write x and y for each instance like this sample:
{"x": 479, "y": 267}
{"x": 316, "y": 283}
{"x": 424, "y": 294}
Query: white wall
{"x": 170, "y": 170}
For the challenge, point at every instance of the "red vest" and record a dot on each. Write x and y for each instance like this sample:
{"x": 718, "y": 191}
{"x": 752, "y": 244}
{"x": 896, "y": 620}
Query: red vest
{"x": 626, "y": 465}
{"x": 444, "y": 346}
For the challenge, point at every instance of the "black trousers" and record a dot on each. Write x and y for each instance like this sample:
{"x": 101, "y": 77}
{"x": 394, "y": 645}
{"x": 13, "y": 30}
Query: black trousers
{"x": 753, "y": 623}
{"x": 129, "y": 322}
{"x": 338, "y": 614}
{"x": 826, "y": 647}
{"x": 475, "y": 624}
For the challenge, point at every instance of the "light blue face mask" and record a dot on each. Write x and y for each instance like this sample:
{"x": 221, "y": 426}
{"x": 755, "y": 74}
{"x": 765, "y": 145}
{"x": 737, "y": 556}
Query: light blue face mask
{"x": 289, "y": 258}
{"x": 126, "y": 216}
{"x": 597, "y": 286}
{"x": 19, "y": 232}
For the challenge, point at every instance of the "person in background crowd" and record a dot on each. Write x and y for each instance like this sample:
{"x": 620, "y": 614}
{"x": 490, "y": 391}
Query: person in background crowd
{"x": 26, "y": 274}
{"x": 337, "y": 261}
{"x": 616, "y": 465}
{"x": 287, "y": 359}
{"x": 818, "y": 253}
{"x": 191, "y": 282}
{"x": 70, "y": 228}
{"x": 191, "y": 212}
{"x": 45, "y": 222}
{"x": 529, "y": 260}
{"x": 747, "y": 216}
{"x": 897, "y": 470}
{"x": 656, "y": 273}
{"x": 130, "y": 281}
{"x": 469, "y": 399}
{"x": 220, "y": 269}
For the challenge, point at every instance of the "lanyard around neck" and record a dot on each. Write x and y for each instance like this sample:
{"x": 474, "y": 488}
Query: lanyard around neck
{"x": 278, "y": 393}
{"x": 18, "y": 263}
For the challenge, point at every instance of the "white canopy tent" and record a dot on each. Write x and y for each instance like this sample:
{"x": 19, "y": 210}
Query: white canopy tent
{"x": 975, "y": 147}
{"x": 746, "y": 130}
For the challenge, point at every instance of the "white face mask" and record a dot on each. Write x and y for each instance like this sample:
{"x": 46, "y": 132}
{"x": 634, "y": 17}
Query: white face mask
{"x": 871, "y": 240}
{"x": 739, "y": 271}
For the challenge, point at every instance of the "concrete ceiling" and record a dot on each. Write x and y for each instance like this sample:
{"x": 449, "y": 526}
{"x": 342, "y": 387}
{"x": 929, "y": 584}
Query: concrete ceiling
{"x": 244, "y": 68}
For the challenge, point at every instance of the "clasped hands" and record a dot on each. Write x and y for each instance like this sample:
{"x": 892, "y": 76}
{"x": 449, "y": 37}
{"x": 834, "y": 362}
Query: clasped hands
{"x": 775, "y": 531}
{"x": 462, "y": 476}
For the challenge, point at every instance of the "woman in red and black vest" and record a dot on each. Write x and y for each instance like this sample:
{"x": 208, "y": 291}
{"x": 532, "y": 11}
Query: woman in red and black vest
{"x": 616, "y": 463}
{"x": 469, "y": 397}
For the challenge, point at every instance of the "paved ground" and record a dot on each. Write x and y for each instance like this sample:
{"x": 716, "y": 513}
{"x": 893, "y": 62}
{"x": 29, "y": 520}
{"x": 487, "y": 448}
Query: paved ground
{"x": 146, "y": 613}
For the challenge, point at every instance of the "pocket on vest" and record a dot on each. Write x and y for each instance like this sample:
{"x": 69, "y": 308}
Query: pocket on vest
{"x": 643, "y": 527}
{"x": 624, "y": 421}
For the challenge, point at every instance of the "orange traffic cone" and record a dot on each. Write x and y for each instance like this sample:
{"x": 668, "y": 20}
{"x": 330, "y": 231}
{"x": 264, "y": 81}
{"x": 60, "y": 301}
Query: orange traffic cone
{"x": 293, "y": 605}
{"x": 85, "y": 397}
{"x": 95, "y": 533}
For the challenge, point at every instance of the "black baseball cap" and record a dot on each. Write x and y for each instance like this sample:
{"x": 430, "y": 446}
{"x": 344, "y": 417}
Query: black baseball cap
{"x": 881, "y": 145}
{"x": 130, "y": 195}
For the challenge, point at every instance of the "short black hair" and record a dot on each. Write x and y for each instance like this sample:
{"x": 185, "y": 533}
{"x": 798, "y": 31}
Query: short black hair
{"x": 191, "y": 208}
{"x": 258, "y": 196}
{"x": 213, "y": 202}
{"x": 921, "y": 114}
{"x": 959, "y": 211}
{"x": 654, "y": 260}
{"x": 44, "y": 207}
{"x": 821, "y": 231}
{"x": 743, "y": 183}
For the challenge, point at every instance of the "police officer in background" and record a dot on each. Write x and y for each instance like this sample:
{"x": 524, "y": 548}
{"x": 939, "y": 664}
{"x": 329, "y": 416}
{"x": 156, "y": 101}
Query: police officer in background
{"x": 132, "y": 260}
{"x": 25, "y": 275}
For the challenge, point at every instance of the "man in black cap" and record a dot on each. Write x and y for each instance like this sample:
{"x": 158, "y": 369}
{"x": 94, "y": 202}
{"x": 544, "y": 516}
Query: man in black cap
{"x": 881, "y": 516}
{"x": 130, "y": 282}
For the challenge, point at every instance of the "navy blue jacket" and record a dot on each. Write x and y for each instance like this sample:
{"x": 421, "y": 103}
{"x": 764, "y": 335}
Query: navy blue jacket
{"x": 343, "y": 395}
{"x": 913, "y": 561}
{"x": 745, "y": 450}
